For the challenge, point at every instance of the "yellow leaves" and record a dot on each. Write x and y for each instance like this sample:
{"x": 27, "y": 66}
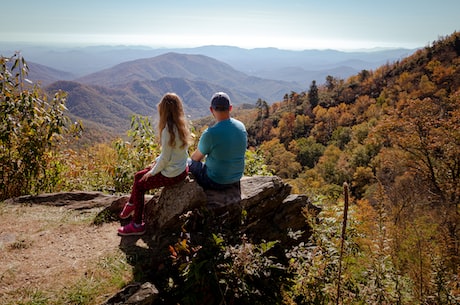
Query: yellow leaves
{"x": 280, "y": 160}
{"x": 426, "y": 87}
{"x": 405, "y": 81}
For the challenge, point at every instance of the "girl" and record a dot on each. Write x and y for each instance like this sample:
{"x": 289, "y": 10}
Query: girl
{"x": 167, "y": 169}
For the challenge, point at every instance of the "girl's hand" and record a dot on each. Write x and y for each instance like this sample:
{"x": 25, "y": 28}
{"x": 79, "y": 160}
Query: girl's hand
{"x": 145, "y": 177}
{"x": 149, "y": 167}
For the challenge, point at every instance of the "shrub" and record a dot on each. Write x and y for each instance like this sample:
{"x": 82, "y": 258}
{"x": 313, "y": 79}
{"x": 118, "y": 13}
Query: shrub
{"x": 31, "y": 127}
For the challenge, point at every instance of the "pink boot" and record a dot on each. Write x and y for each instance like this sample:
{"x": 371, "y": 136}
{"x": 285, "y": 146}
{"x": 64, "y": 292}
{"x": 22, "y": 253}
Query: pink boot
{"x": 132, "y": 229}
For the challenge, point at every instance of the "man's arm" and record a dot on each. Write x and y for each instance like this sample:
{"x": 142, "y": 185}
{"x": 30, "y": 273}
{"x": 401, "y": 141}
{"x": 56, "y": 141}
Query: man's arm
{"x": 197, "y": 155}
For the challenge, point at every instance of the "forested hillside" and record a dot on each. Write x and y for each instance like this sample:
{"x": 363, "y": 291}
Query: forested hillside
{"x": 363, "y": 129}
{"x": 393, "y": 134}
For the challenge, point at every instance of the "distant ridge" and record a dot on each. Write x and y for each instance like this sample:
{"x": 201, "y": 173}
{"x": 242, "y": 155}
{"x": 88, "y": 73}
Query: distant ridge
{"x": 46, "y": 75}
{"x": 111, "y": 95}
{"x": 196, "y": 69}
{"x": 81, "y": 61}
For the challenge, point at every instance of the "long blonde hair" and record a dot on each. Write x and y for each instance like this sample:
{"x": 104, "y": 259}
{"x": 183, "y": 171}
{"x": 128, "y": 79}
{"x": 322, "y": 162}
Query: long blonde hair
{"x": 172, "y": 114}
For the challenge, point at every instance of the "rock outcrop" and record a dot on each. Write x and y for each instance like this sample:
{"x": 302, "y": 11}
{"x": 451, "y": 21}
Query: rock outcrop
{"x": 262, "y": 208}
{"x": 269, "y": 208}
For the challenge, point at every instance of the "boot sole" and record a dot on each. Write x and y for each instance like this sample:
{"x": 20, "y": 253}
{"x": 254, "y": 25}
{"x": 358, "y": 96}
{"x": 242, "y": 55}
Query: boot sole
{"x": 131, "y": 234}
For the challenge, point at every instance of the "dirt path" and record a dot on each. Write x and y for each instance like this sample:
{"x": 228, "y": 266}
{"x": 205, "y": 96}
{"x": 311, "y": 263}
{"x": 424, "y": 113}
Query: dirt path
{"x": 46, "y": 248}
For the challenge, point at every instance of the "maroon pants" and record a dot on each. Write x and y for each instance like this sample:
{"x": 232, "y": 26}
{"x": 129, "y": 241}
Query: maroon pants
{"x": 140, "y": 187}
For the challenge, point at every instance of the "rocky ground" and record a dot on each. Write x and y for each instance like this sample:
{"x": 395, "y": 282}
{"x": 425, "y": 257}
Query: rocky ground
{"x": 51, "y": 245}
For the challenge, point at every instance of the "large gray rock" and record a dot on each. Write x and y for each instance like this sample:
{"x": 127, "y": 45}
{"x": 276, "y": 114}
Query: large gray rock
{"x": 135, "y": 294}
{"x": 163, "y": 212}
{"x": 270, "y": 209}
{"x": 77, "y": 200}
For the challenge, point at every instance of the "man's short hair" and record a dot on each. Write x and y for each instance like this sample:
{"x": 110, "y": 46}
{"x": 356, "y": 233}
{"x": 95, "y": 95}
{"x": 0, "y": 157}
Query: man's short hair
{"x": 220, "y": 101}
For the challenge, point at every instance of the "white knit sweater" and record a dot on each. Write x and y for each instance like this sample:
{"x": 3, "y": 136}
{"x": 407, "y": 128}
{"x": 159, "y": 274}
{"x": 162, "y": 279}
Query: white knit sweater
{"x": 172, "y": 160}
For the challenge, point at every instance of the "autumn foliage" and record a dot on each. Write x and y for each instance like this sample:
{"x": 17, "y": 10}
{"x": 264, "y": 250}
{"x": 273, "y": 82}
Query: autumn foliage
{"x": 393, "y": 134}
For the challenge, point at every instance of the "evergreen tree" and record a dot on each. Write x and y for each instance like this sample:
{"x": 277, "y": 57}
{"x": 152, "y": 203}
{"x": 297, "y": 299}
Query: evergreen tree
{"x": 313, "y": 96}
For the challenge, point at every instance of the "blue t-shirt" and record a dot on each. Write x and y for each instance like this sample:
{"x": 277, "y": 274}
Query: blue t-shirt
{"x": 224, "y": 146}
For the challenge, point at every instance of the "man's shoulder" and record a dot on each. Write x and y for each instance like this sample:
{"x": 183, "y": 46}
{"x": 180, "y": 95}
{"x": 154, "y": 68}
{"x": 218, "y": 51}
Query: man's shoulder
{"x": 237, "y": 122}
{"x": 226, "y": 126}
{"x": 239, "y": 125}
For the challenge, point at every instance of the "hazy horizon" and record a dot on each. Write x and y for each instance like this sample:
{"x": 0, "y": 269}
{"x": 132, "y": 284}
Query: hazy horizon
{"x": 288, "y": 25}
{"x": 68, "y": 45}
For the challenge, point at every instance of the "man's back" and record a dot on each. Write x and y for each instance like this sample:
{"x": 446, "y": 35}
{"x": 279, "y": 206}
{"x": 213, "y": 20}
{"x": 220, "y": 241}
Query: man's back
{"x": 225, "y": 146}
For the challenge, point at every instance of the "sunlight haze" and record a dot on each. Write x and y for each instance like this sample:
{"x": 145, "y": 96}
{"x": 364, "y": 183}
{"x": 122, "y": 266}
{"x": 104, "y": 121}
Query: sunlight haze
{"x": 295, "y": 25}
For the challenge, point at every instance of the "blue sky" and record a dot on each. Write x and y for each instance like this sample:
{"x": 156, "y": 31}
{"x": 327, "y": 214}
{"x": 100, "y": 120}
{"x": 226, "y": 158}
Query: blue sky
{"x": 288, "y": 24}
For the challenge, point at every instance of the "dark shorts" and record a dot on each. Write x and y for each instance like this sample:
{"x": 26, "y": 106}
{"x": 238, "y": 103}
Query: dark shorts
{"x": 199, "y": 171}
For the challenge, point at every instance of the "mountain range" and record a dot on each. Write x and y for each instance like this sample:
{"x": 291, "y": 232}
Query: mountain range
{"x": 81, "y": 61}
{"x": 111, "y": 96}
{"x": 107, "y": 85}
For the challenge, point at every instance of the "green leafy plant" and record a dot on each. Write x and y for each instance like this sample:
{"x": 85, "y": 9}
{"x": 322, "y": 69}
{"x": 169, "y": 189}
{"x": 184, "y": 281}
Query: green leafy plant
{"x": 221, "y": 267}
{"x": 134, "y": 155}
{"x": 255, "y": 164}
{"x": 31, "y": 127}
{"x": 248, "y": 274}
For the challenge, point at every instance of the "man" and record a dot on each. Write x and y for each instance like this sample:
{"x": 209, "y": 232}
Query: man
{"x": 224, "y": 147}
